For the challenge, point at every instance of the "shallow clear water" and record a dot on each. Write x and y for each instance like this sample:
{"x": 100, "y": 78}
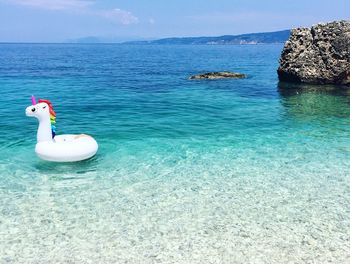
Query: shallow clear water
{"x": 228, "y": 171}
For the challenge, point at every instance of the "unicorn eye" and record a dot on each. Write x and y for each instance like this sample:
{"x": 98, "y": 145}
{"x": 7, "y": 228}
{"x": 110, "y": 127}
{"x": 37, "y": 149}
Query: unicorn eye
{"x": 44, "y": 107}
{"x": 33, "y": 109}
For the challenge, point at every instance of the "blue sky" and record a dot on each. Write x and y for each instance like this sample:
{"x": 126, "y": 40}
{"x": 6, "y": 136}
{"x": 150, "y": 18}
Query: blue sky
{"x": 59, "y": 20}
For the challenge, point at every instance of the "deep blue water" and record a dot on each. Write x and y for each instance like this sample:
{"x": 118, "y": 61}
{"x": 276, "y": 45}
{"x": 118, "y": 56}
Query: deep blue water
{"x": 231, "y": 171}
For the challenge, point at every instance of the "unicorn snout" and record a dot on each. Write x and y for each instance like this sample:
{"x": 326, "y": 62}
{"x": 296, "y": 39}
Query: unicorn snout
{"x": 31, "y": 110}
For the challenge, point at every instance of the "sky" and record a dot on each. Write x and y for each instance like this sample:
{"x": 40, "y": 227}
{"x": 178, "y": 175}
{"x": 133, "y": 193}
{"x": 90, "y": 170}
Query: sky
{"x": 121, "y": 20}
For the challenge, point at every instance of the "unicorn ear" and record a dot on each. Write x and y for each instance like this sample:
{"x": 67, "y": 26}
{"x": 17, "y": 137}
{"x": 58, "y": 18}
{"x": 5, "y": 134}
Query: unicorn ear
{"x": 33, "y": 100}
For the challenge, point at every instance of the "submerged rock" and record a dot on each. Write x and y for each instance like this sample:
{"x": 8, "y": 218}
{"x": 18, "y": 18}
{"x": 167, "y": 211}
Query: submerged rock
{"x": 318, "y": 55}
{"x": 218, "y": 75}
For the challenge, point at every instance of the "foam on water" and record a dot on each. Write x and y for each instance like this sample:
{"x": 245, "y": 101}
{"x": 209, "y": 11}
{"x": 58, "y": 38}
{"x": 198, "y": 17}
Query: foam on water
{"x": 187, "y": 172}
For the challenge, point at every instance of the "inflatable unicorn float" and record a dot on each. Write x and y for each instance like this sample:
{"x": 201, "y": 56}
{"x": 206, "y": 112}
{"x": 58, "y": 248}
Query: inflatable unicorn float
{"x": 60, "y": 148}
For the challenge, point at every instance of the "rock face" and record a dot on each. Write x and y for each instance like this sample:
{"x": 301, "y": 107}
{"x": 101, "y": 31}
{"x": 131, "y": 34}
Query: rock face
{"x": 218, "y": 75}
{"x": 320, "y": 55}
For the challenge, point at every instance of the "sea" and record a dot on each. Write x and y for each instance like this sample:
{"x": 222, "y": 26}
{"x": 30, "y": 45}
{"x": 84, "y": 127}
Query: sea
{"x": 188, "y": 171}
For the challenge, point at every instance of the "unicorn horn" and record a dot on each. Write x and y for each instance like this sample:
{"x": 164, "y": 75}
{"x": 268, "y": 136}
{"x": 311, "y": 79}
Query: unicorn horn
{"x": 33, "y": 100}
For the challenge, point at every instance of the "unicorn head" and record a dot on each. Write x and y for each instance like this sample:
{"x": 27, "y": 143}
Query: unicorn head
{"x": 44, "y": 112}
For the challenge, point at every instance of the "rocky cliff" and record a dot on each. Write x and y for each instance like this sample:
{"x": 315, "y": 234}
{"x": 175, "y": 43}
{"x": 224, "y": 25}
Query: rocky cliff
{"x": 319, "y": 55}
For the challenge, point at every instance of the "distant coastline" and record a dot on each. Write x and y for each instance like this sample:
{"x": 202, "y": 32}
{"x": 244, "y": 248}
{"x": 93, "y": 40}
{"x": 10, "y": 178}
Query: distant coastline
{"x": 275, "y": 37}
{"x": 243, "y": 39}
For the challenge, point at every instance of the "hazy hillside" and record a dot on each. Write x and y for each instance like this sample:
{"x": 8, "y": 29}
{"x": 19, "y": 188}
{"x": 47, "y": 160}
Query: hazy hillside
{"x": 252, "y": 38}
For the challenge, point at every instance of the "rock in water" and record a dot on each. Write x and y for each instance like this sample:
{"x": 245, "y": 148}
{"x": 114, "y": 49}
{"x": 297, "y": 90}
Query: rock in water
{"x": 320, "y": 55}
{"x": 218, "y": 75}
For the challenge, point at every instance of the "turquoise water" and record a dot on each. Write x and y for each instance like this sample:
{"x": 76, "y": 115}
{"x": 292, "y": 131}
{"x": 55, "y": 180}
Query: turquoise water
{"x": 228, "y": 171}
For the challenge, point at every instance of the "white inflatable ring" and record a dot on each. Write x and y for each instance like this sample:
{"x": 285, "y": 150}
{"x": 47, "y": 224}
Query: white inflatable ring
{"x": 67, "y": 148}
{"x": 62, "y": 148}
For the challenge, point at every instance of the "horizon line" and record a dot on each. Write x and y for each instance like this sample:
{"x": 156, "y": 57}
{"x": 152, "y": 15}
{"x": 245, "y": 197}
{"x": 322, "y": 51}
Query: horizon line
{"x": 141, "y": 39}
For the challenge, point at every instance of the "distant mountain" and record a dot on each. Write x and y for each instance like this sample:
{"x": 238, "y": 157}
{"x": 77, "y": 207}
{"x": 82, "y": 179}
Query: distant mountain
{"x": 85, "y": 40}
{"x": 98, "y": 39}
{"x": 252, "y": 38}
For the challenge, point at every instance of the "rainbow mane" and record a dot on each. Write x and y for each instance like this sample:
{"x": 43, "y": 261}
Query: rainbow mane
{"x": 52, "y": 116}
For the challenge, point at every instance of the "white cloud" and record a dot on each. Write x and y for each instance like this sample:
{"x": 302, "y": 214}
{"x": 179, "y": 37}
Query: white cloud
{"x": 82, "y": 6}
{"x": 53, "y": 4}
{"x": 152, "y": 21}
{"x": 119, "y": 15}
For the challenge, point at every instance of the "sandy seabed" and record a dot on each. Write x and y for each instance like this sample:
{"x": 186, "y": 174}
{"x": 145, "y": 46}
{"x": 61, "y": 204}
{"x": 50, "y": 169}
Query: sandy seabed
{"x": 197, "y": 209}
